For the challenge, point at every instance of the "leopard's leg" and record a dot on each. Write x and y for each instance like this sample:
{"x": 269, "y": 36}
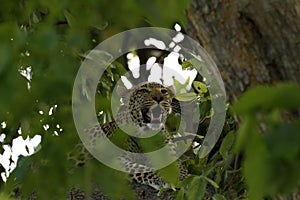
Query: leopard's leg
{"x": 141, "y": 169}
{"x": 183, "y": 171}
{"x": 143, "y": 174}
{"x": 79, "y": 154}
{"x": 105, "y": 129}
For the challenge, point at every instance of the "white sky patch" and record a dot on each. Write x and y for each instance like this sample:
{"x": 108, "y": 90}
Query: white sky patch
{"x": 27, "y": 53}
{"x": 2, "y": 137}
{"x": 173, "y": 69}
{"x": 46, "y": 127}
{"x": 50, "y": 111}
{"x": 41, "y": 112}
{"x": 19, "y": 147}
{"x": 3, "y": 124}
{"x": 129, "y": 56}
{"x": 176, "y": 48}
{"x": 4, "y": 160}
{"x": 155, "y": 42}
{"x": 36, "y": 140}
{"x": 177, "y": 27}
{"x": 28, "y": 85}
{"x": 196, "y": 146}
{"x": 150, "y": 62}
{"x": 172, "y": 45}
{"x": 134, "y": 64}
{"x": 155, "y": 74}
{"x": 20, "y": 131}
{"x": 178, "y": 38}
{"x": 27, "y": 72}
{"x": 55, "y": 133}
{"x": 126, "y": 82}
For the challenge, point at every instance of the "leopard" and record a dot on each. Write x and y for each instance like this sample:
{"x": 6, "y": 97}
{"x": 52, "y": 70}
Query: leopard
{"x": 147, "y": 107}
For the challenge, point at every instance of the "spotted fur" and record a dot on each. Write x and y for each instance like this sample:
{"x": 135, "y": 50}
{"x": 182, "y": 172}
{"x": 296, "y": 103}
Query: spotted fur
{"x": 148, "y": 106}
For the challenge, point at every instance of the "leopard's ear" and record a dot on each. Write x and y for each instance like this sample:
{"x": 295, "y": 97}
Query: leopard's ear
{"x": 122, "y": 91}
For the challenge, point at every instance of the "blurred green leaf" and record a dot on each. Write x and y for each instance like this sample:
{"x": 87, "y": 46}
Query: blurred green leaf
{"x": 113, "y": 183}
{"x": 244, "y": 133}
{"x": 265, "y": 98}
{"x": 166, "y": 18}
{"x": 269, "y": 142}
{"x": 256, "y": 167}
{"x": 180, "y": 195}
{"x": 284, "y": 151}
{"x": 227, "y": 144}
{"x": 196, "y": 189}
{"x": 70, "y": 18}
{"x": 4, "y": 197}
{"x": 218, "y": 197}
{"x": 211, "y": 182}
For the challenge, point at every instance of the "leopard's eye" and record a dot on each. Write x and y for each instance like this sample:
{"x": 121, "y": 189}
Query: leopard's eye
{"x": 164, "y": 91}
{"x": 144, "y": 90}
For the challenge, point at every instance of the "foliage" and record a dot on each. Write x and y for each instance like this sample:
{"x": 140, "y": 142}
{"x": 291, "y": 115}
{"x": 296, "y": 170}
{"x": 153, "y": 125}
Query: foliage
{"x": 41, "y": 46}
{"x": 45, "y": 42}
{"x": 269, "y": 138}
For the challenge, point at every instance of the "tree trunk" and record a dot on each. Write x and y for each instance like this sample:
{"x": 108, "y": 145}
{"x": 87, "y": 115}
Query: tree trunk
{"x": 252, "y": 41}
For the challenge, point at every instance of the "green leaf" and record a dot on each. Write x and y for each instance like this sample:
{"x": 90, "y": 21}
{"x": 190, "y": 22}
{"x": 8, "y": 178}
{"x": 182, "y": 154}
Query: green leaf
{"x": 6, "y": 58}
{"x": 246, "y": 128}
{"x": 70, "y": 18}
{"x": 211, "y": 182}
{"x": 170, "y": 173}
{"x": 197, "y": 188}
{"x": 265, "y": 98}
{"x": 186, "y": 181}
{"x": 180, "y": 87}
{"x": 256, "y": 167}
{"x": 227, "y": 144}
{"x": 218, "y": 197}
{"x": 200, "y": 87}
{"x": 186, "y": 65}
{"x": 113, "y": 183}
{"x": 173, "y": 11}
{"x": 283, "y": 148}
{"x": 5, "y": 197}
{"x": 186, "y": 96}
{"x": 180, "y": 195}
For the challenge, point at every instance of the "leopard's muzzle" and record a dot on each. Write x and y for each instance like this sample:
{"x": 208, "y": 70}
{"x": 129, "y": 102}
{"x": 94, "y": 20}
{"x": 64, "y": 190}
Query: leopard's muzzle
{"x": 154, "y": 116}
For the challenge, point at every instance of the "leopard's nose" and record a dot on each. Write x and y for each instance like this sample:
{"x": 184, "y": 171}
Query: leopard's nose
{"x": 157, "y": 98}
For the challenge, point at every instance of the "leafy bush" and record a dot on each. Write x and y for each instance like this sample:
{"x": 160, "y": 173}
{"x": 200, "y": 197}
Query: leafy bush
{"x": 269, "y": 138}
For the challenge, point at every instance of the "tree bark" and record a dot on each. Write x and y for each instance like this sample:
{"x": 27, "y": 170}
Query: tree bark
{"x": 252, "y": 41}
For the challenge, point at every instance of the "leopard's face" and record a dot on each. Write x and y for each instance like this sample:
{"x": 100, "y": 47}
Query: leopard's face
{"x": 149, "y": 105}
